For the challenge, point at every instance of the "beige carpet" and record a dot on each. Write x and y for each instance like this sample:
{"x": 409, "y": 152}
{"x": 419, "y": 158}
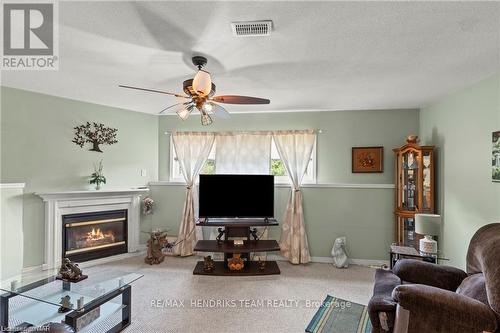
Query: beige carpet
{"x": 279, "y": 303}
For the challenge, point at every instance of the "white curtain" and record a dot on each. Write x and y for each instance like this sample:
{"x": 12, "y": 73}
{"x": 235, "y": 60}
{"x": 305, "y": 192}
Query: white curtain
{"x": 295, "y": 149}
{"x": 243, "y": 153}
{"x": 192, "y": 149}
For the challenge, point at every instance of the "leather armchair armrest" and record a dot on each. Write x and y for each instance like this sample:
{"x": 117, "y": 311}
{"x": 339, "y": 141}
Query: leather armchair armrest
{"x": 382, "y": 301}
{"x": 421, "y": 272}
{"x": 445, "y": 310}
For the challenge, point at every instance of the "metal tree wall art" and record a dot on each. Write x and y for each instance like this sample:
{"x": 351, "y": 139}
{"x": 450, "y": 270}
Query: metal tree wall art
{"x": 96, "y": 134}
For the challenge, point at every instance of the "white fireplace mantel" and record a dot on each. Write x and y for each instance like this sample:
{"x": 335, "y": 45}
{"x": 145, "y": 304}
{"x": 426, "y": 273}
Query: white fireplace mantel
{"x": 62, "y": 203}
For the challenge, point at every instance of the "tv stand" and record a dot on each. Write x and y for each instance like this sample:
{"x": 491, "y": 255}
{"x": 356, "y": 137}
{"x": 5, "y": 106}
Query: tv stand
{"x": 237, "y": 227}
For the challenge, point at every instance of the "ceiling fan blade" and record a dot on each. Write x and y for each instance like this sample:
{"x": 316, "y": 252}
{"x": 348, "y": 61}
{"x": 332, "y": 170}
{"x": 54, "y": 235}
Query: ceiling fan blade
{"x": 234, "y": 99}
{"x": 153, "y": 90}
{"x": 179, "y": 107}
{"x": 220, "y": 112}
{"x": 174, "y": 108}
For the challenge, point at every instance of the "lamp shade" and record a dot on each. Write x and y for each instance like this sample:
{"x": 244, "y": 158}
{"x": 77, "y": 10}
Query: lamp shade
{"x": 202, "y": 82}
{"x": 427, "y": 224}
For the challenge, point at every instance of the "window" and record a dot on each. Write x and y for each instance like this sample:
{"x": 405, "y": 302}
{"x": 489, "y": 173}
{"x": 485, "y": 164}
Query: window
{"x": 276, "y": 166}
{"x": 175, "y": 167}
{"x": 280, "y": 173}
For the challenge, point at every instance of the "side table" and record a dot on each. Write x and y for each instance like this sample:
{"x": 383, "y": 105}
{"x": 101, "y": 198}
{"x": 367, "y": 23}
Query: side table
{"x": 400, "y": 251}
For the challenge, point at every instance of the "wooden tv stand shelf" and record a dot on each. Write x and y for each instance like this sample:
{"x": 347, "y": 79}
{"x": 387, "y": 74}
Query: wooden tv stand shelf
{"x": 242, "y": 227}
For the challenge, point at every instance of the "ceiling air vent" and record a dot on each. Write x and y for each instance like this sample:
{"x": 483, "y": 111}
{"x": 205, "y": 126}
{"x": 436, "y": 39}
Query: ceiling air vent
{"x": 252, "y": 28}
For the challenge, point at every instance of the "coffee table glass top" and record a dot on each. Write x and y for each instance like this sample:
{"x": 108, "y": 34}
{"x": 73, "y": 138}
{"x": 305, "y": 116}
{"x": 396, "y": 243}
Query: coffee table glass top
{"x": 44, "y": 287}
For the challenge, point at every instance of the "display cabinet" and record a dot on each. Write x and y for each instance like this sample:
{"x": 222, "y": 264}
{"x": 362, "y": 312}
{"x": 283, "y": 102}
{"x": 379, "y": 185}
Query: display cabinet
{"x": 415, "y": 190}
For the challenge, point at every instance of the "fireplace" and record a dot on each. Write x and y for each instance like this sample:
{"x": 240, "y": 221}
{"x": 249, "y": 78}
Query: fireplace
{"x": 88, "y": 236}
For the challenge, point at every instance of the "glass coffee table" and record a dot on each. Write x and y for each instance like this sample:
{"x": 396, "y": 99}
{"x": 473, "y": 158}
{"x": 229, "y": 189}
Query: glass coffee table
{"x": 100, "y": 303}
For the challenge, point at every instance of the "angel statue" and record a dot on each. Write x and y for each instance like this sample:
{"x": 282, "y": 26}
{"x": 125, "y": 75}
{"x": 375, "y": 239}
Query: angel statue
{"x": 340, "y": 259}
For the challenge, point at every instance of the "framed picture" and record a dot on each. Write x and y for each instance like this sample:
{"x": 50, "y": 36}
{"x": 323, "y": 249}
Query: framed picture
{"x": 367, "y": 159}
{"x": 495, "y": 157}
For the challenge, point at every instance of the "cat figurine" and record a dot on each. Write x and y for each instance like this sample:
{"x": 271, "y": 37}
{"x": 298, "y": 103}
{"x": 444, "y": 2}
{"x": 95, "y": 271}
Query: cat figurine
{"x": 340, "y": 259}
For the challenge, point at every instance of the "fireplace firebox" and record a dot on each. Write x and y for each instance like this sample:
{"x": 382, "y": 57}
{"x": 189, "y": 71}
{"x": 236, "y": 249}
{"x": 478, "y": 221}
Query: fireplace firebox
{"x": 89, "y": 236}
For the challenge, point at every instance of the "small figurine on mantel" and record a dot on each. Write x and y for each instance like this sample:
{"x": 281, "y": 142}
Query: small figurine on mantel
{"x": 156, "y": 242}
{"x": 70, "y": 271}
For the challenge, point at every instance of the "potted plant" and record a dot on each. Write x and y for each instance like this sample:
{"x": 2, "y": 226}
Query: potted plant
{"x": 97, "y": 177}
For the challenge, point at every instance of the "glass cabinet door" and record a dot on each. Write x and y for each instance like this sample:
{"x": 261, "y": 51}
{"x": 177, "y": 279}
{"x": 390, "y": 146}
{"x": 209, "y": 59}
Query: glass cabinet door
{"x": 427, "y": 196}
{"x": 407, "y": 231}
{"x": 409, "y": 180}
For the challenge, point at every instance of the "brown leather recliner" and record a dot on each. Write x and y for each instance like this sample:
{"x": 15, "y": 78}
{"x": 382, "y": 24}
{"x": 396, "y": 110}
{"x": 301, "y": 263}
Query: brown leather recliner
{"x": 417, "y": 296}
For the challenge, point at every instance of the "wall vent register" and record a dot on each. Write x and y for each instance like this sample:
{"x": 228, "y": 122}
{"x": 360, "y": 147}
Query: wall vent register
{"x": 252, "y": 28}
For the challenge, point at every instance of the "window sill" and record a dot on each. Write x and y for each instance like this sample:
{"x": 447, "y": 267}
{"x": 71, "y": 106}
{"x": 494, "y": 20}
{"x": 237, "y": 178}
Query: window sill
{"x": 283, "y": 185}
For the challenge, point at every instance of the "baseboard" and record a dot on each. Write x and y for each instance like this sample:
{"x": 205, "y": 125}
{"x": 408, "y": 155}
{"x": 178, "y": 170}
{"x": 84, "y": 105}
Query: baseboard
{"x": 142, "y": 249}
{"x": 369, "y": 262}
{"x": 329, "y": 260}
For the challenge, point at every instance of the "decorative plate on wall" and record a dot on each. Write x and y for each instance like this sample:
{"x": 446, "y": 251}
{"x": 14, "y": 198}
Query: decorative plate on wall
{"x": 367, "y": 159}
{"x": 495, "y": 157}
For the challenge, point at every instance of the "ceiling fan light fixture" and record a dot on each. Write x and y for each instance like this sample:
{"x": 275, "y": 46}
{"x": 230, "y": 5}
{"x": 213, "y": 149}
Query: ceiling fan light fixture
{"x": 208, "y": 107}
{"x": 202, "y": 82}
{"x": 199, "y": 91}
{"x": 206, "y": 119}
{"x": 185, "y": 112}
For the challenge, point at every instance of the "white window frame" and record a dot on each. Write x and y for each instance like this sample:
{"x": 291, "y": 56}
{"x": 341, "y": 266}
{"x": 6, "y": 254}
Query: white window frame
{"x": 175, "y": 174}
{"x": 309, "y": 178}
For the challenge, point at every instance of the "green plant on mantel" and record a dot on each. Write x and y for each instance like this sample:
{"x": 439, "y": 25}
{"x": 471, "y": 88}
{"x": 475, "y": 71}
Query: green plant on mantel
{"x": 97, "y": 177}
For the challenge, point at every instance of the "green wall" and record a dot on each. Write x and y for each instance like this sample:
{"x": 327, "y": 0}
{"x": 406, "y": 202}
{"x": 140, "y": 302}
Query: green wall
{"x": 36, "y": 148}
{"x": 461, "y": 126}
{"x": 364, "y": 215}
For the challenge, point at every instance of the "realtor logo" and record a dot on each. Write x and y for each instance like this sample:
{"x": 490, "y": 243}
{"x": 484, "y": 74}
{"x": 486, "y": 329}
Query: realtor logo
{"x": 28, "y": 36}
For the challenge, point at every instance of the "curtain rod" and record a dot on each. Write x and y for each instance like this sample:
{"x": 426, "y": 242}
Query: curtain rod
{"x": 319, "y": 131}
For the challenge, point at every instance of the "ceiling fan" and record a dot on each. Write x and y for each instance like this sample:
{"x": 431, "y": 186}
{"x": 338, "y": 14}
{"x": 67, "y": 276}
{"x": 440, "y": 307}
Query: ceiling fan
{"x": 200, "y": 93}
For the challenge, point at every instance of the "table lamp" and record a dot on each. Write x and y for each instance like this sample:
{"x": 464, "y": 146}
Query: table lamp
{"x": 428, "y": 225}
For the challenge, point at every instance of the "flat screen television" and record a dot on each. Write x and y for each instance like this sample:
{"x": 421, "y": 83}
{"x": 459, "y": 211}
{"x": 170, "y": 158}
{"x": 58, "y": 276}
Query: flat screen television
{"x": 233, "y": 196}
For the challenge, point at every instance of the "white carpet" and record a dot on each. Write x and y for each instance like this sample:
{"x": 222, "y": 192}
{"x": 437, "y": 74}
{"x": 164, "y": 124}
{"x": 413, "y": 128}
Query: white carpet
{"x": 276, "y": 303}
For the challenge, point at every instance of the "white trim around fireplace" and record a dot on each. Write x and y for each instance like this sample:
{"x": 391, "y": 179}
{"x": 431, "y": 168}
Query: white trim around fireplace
{"x": 62, "y": 203}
